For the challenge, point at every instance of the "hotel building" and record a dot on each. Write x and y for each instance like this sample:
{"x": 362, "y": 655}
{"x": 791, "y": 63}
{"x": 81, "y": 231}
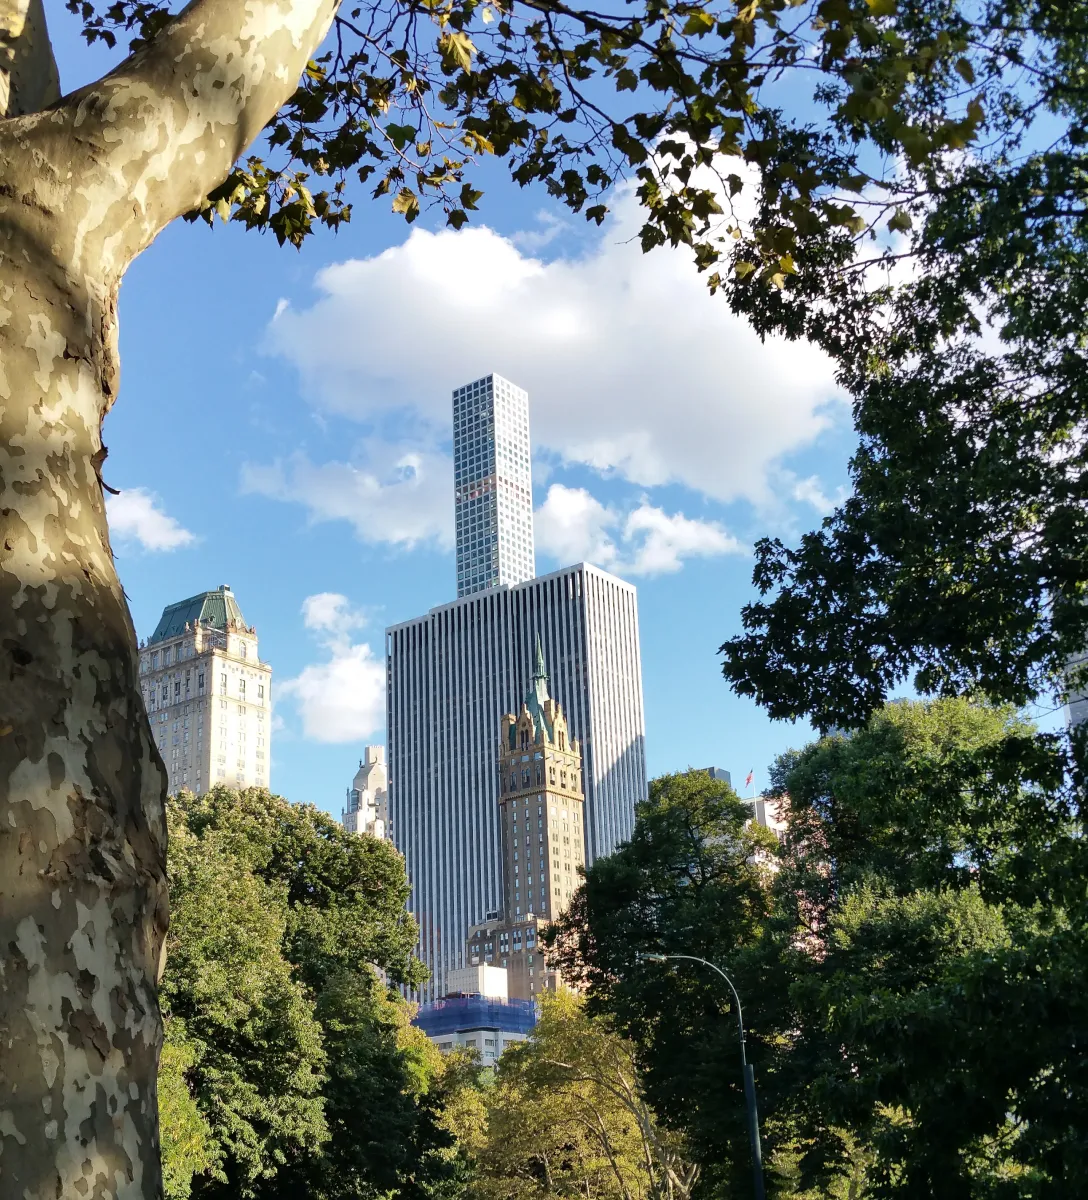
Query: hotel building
{"x": 208, "y": 695}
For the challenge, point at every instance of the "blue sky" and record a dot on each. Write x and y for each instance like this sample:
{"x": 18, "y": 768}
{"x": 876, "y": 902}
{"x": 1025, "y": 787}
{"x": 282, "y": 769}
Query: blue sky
{"x": 283, "y": 426}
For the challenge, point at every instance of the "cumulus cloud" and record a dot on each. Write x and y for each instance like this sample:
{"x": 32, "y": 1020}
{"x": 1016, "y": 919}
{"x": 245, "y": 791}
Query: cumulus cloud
{"x": 573, "y": 526}
{"x": 135, "y": 516}
{"x": 396, "y": 495}
{"x": 632, "y": 367}
{"x": 331, "y": 613}
{"x": 341, "y": 699}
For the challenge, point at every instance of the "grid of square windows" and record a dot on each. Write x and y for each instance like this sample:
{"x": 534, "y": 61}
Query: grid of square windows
{"x": 493, "y": 506}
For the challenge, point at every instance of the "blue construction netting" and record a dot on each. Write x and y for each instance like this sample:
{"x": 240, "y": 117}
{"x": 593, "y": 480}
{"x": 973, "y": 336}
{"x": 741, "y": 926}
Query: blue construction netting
{"x": 458, "y": 1013}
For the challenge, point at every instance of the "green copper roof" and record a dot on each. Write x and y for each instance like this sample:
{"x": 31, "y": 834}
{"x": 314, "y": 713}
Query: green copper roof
{"x": 538, "y": 693}
{"x": 218, "y": 609}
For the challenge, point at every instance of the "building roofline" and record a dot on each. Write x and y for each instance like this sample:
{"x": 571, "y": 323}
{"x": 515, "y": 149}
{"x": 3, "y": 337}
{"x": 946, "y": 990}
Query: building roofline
{"x": 484, "y": 593}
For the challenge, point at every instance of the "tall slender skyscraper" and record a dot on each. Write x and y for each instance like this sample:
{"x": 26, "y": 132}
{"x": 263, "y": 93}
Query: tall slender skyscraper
{"x": 493, "y": 496}
{"x": 451, "y": 675}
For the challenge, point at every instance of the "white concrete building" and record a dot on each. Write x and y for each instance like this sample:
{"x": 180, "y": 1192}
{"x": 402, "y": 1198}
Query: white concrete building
{"x": 208, "y": 695}
{"x": 493, "y": 489}
{"x": 451, "y": 675}
{"x": 367, "y": 809}
{"x": 481, "y": 980}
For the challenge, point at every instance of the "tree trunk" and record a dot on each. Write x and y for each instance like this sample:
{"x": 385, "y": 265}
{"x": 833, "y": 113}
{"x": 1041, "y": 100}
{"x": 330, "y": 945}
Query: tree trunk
{"x": 84, "y": 187}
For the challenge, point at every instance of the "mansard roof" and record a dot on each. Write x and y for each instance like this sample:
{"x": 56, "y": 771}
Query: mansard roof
{"x": 218, "y": 609}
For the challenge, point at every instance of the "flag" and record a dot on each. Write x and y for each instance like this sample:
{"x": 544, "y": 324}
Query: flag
{"x": 748, "y": 781}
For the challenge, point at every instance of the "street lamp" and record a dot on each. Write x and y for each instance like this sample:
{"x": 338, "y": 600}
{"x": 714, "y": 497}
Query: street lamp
{"x": 749, "y": 1074}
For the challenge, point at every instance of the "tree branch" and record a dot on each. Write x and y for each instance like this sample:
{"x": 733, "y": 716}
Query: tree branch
{"x": 148, "y": 141}
{"x": 28, "y": 72}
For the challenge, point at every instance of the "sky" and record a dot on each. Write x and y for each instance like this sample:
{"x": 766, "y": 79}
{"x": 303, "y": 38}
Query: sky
{"x": 284, "y": 427}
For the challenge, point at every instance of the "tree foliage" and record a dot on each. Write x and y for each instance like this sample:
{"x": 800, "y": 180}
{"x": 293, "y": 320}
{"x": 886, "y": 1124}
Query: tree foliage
{"x": 959, "y": 559}
{"x": 290, "y": 1067}
{"x": 908, "y": 973}
{"x": 565, "y": 1116}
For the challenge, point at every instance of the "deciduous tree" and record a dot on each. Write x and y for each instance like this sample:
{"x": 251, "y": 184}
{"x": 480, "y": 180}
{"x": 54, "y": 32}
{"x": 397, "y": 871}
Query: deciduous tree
{"x": 404, "y": 94}
{"x": 910, "y": 976}
{"x": 566, "y": 1116}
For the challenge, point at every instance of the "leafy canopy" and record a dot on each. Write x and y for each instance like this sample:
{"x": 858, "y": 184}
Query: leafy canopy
{"x": 407, "y": 95}
{"x": 290, "y": 1066}
{"x": 565, "y": 1116}
{"x": 907, "y": 962}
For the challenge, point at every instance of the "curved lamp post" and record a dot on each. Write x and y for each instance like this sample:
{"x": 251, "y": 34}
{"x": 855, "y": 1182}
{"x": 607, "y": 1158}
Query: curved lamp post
{"x": 749, "y": 1074}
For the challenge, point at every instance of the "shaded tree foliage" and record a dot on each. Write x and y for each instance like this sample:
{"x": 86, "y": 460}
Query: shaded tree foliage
{"x": 303, "y": 1074}
{"x": 909, "y": 975}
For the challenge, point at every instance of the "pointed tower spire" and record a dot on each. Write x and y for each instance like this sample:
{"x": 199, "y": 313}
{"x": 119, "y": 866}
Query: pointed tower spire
{"x": 537, "y": 695}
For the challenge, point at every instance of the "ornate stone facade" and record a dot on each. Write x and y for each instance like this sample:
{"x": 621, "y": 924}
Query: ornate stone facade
{"x": 208, "y": 695}
{"x": 543, "y": 837}
{"x": 367, "y": 809}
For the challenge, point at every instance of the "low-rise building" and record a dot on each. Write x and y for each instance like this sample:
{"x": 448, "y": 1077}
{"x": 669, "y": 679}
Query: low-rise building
{"x": 485, "y": 1024}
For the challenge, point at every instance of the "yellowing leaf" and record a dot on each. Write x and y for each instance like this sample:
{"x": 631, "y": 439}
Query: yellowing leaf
{"x": 457, "y": 49}
{"x": 882, "y": 8}
{"x": 698, "y": 24}
{"x": 900, "y": 221}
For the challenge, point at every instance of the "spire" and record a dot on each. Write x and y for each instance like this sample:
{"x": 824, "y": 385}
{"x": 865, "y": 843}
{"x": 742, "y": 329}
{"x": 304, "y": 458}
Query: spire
{"x": 539, "y": 672}
{"x": 538, "y": 693}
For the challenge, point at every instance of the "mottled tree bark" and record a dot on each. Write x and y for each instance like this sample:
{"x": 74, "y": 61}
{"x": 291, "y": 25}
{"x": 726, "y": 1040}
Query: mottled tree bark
{"x": 85, "y": 185}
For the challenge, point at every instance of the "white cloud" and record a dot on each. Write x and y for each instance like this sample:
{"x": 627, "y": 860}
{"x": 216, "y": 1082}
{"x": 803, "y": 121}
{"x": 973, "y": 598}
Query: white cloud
{"x": 573, "y": 526}
{"x": 811, "y": 491}
{"x": 397, "y": 495}
{"x": 631, "y": 366}
{"x": 332, "y": 614}
{"x": 343, "y": 698}
{"x": 134, "y": 516}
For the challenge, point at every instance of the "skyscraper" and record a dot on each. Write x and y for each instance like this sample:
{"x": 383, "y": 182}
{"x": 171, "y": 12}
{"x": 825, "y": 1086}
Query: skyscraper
{"x": 451, "y": 675}
{"x": 493, "y": 497}
{"x": 208, "y": 695}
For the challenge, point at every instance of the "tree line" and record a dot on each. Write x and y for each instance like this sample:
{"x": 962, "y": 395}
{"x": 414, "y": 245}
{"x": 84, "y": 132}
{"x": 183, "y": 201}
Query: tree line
{"x": 907, "y": 951}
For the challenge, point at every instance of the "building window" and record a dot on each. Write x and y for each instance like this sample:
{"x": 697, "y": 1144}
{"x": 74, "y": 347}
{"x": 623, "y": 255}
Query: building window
{"x": 223, "y": 683}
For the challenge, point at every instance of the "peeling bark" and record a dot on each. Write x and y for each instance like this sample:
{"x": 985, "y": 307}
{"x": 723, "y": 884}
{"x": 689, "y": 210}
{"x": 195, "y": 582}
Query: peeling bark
{"x": 84, "y": 187}
{"x": 28, "y": 71}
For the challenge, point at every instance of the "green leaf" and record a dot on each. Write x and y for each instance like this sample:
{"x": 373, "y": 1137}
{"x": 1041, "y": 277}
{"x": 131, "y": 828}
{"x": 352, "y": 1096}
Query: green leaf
{"x": 400, "y": 135}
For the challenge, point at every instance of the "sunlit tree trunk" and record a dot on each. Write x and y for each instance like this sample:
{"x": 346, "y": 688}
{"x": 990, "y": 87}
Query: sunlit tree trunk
{"x": 86, "y": 183}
